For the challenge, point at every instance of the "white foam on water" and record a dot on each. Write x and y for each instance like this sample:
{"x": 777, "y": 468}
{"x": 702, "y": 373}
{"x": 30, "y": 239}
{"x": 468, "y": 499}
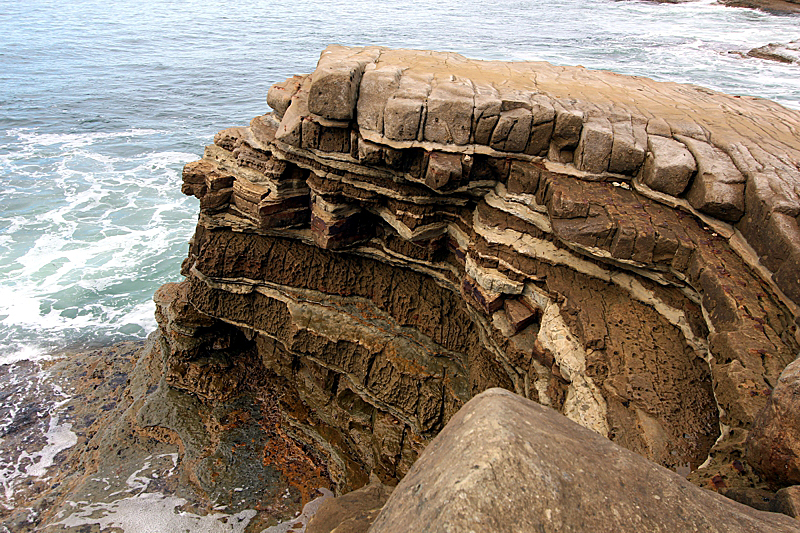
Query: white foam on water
{"x": 59, "y": 438}
{"x": 76, "y": 140}
{"x": 89, "y": 240}
{"x": 18, "y": 466}
{"x": 24, "y": 353}
{"x": 150, "y": 512}
{"x": 154, "y": 512}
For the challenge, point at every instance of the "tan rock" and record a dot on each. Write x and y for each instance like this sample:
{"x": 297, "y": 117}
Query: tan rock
{"x": 525, "y": 471}
{"x": 718, "y": 187}
{"x": 280, "y": 95}
{"x": 668, "y": 167}
{"x": 513, "y": 129}
{"x": 593, "y": 153}
{"x": 353, "y": 512}
{"x": 628, "y": 148}
{"x": 335, "y": 82}
{"x": 377, "y": 85}
{"x": 787, "y": 501}
{"x": 449, "y": 117}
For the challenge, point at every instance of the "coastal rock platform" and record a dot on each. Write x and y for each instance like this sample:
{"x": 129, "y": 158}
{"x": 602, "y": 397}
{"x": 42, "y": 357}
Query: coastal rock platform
{"x": 407, "y": 229}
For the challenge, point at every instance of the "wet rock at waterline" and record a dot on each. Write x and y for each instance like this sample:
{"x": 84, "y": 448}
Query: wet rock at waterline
{"x": 783, "y": 53}
{"x": 91, "y": 459}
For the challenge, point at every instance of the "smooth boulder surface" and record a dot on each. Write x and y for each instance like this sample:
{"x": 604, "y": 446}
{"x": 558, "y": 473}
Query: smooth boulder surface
{"x": 504, "y": 463}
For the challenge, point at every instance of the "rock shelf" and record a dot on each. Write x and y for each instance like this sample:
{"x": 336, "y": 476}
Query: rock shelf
{"x": 409, "y": 228}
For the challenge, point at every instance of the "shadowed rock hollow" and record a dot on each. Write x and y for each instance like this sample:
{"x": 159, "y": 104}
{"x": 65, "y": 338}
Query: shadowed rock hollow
{"x": 407, "y": 229}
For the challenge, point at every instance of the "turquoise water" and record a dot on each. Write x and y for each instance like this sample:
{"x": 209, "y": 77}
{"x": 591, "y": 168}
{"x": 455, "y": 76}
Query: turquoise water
{"x": 102, "y": 103}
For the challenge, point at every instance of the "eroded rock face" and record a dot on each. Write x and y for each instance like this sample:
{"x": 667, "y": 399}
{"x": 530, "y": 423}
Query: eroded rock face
{"x": 533, "y": 470}
{"x": 774, "y": 445}
{"x": 407, "y": 229}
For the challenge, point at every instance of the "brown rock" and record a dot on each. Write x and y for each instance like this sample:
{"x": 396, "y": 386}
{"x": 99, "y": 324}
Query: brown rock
{"x": 513, "y": 130}
{"x": 280, "y": 95}
{"x": 519, "y": 315}
{"x": 773, "y": 447}
{"x": 787, "y": 501}
{"x": 353, "y": 512}
{"x": 668, "y": 167}
{"x": 782, "y": 53}
{"x": 443, "y": 169}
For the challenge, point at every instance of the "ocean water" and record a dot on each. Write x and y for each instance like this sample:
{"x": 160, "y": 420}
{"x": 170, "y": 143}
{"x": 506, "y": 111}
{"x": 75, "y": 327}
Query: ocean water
{"x": 102, "y": 103}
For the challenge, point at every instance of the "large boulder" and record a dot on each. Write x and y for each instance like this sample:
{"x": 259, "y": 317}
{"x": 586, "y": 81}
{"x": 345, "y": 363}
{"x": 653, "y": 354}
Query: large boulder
{"x": 774, "y": 444}
{"x": 504, "y": 463}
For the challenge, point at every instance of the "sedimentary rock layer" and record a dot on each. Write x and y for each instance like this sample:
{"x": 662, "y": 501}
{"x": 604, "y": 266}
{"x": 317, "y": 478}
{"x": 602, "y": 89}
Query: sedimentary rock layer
{"x": 407, "y": 229}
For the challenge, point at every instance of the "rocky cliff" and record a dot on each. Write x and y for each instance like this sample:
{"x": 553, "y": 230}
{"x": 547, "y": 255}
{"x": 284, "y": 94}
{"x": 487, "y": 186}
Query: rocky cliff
{"x": 407, "y": 229}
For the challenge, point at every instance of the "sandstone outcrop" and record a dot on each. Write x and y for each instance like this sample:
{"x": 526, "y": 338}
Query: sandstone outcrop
{"x": 533, "y": 470}
{"x": 407, "y": 229}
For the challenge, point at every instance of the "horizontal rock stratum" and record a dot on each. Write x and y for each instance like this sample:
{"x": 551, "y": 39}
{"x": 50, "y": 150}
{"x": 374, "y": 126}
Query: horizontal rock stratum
{"x": 409, "y": 228}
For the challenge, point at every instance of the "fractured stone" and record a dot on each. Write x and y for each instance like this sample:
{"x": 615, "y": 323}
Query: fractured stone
{"x": 668, "y": 166}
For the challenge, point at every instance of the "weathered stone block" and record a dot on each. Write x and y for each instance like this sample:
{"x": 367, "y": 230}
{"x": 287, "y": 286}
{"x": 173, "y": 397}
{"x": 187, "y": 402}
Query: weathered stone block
{"x": 658, "y": 126}
{"x": 280, "y": 95}
{"x": 512, "y": 131}
{"x": 523, "y": 178}
{"x": 449, "y": 117}
{"x": 377, "y": 86}
{"x": 519, "y": 314}
{"x": 724, "y": 201}
{"x": 443, "y": 169}
{"x": 718, "y": 188}
{"x": 594, "y": 149}
{"x": 566, "y": 130}
{"x": 668, "y": 166}
{"x": 773, "y": 446}
{"x": 353, "y": 512}
{"x": 486, "y": 113}
{"x": 627, "y": 155}
{"x": 787, "y": 501}
{"x": 788, "y": 277}
{"x": 539, "y": 141}
{"x": 401, "y": 119}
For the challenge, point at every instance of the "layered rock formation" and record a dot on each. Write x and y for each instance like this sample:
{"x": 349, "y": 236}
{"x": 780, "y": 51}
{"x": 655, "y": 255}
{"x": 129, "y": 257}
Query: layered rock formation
{"x": 407, "y": 229}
